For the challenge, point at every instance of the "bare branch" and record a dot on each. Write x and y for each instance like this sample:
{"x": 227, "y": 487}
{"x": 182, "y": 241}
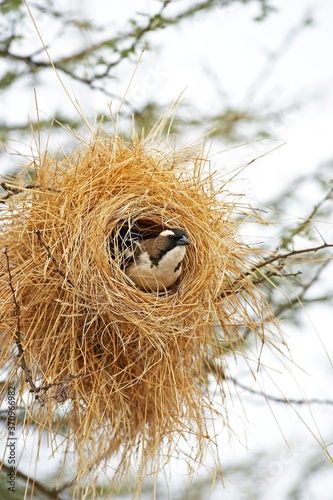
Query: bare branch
{"x": 277, "y": 399}
{"x": 15, "y": 190}
{"x": 275, "y": 274}
{"x": 53, "y": 259}
{"x": 11, "y": 191}
{"x": 285, "y": 256}
{"x": 307, "y": 220}
{"x": 36, "y": 485}
{"x": 62, "y": 394}
{"x": 17, "y": 333}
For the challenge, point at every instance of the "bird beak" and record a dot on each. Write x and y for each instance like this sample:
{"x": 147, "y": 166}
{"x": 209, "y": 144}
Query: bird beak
{"x": 183, "y": 241}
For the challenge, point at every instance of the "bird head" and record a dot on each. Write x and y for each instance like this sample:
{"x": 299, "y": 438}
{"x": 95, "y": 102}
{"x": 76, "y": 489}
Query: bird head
{"x": 156, "y": 263}
{"x": 171, "y": 238}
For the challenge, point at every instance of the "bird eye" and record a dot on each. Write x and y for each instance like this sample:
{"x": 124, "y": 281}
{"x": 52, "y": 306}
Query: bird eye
{"x": 171, "y": 237}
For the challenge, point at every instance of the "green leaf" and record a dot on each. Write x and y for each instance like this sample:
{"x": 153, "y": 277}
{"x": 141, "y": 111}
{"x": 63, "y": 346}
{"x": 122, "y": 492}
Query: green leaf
{"x": 8, "y": 79}
{"x": 10, "y": 5}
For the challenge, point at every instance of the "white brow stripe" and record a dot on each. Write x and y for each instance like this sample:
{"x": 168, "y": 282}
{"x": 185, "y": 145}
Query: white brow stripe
{"x": 167, "y": 232}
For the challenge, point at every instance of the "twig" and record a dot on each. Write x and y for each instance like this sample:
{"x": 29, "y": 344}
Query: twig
{"x": 284, "y": 256}
{"x": 28, "y": 377}
{"x": 17, "y": 334}
{"x": 62, "y": 395}
{"x": 271, "y": 273}
{"x": 299, "y": 299}
{"x": 50, "y": 256}
{"x": 302, "y": 226}
{"x": 36, "y": 485}
{"x": 12, "y": 191}
{"x": 274, "y": 274}
{"x": 277, "y": 399}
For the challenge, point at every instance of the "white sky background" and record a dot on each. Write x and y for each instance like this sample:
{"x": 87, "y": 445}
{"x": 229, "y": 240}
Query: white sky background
{"x": 217, "y": 57}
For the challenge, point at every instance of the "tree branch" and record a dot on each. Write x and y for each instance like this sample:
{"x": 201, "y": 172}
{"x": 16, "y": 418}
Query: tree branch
{"x": 53, "y": 259}
{"x": 17, "y": 333}
{"x": 300, "y": 297}
{"x": 292, "y": 253}
{"x": 36, "y": 485}
{"x": 303, "y": 225}
{"x": 14, "y": 190}
{"x": 277, "y": 399}
{"x": 62, "y": 394}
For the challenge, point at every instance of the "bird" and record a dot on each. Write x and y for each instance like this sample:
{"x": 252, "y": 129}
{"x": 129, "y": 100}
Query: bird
{"x": 154, "y": 264}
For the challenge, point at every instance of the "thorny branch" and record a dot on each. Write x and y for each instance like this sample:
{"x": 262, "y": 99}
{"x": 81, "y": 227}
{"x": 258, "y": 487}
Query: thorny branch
{"x": 301, "y": 227}
{"x": 287, "y": 255}
{"x": 53, "y": 259}
{"x": 279, "y": 399}
{"x": 300, "y": 298}
{"x": 17, "y": 333}
{"x": 37, "y": 486}
{"x": 119, "y": 47}
{"x": 62, "y": 394}
{"x": 277, "y": 272}
{"x": 12, "y": 191}
{"x": 274, "y": 266}
{"x": 274, "y": 274}
{"x": 289, "y": 193}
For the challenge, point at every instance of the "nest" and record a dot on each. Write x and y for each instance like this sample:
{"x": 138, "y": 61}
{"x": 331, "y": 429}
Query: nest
{"x": 128, "y": 367}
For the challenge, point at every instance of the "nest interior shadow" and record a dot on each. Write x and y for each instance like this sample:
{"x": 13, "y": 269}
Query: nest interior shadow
{"x": 127, "y": 233}
{"x": 127, "y": 362}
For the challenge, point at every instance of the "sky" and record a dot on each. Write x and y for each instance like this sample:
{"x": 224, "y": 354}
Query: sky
{"x": 211, "y": 60}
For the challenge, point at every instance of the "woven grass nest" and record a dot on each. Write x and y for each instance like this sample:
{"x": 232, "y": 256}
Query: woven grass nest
{"x": 127, "y": 367}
